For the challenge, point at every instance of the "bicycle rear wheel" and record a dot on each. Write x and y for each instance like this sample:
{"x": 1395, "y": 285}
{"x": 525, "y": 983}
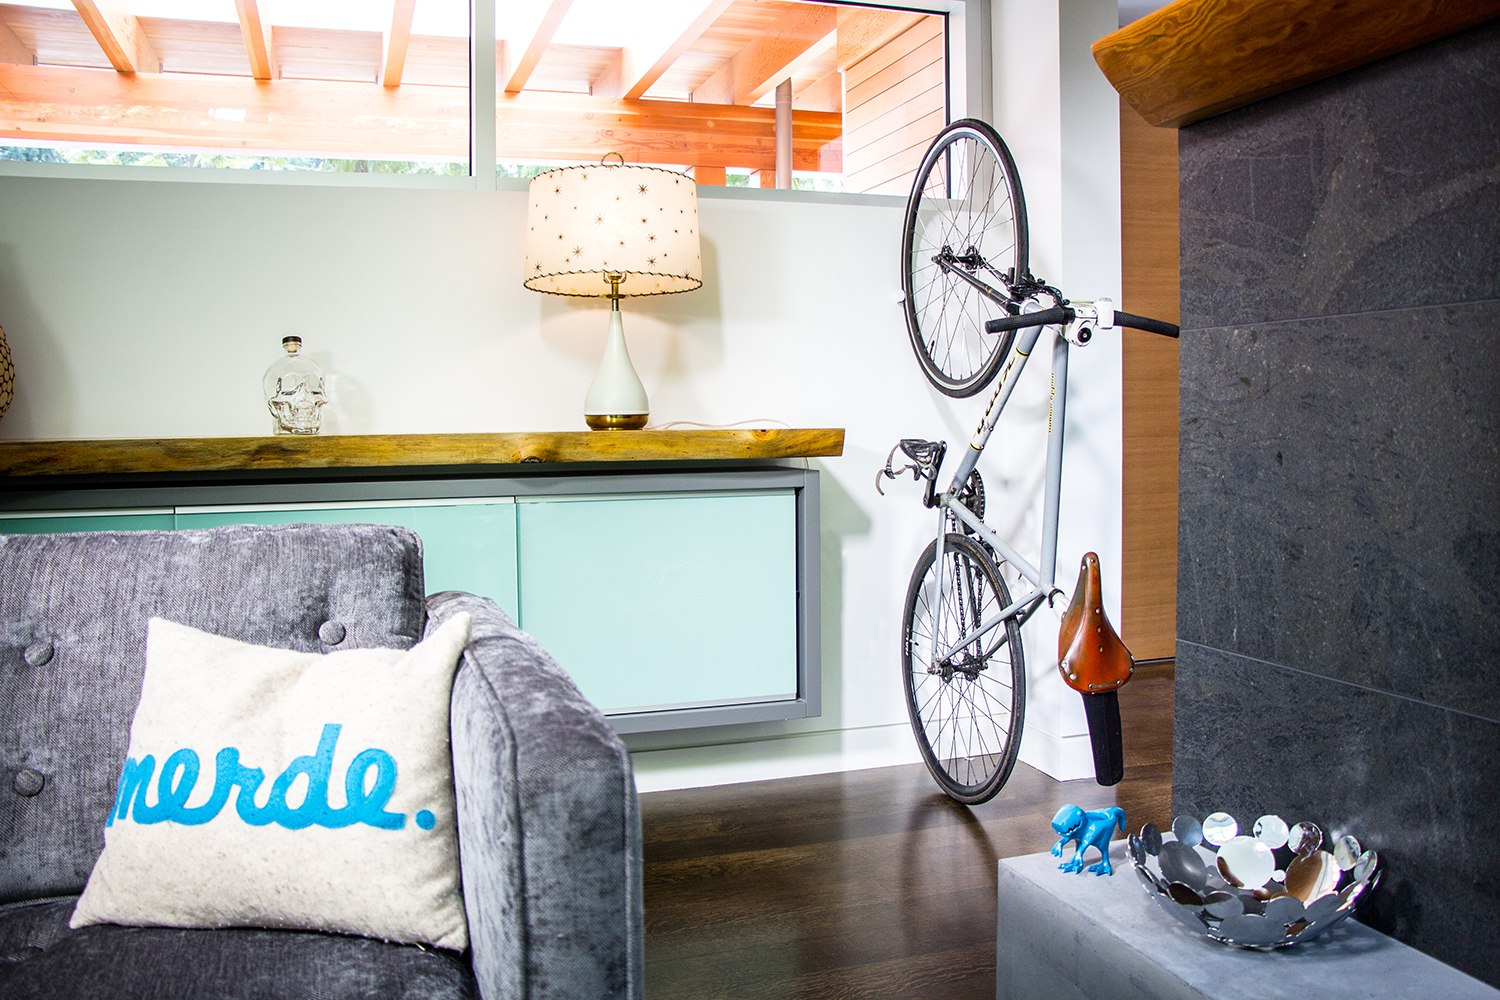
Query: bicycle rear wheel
{"x": 966, "y": 216}
{"x": 966, "y": 711}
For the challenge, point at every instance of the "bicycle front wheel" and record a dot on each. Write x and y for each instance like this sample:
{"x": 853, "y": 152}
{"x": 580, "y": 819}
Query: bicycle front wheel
{"x": 967, "y": 709}
{"x": 965, "y": 228}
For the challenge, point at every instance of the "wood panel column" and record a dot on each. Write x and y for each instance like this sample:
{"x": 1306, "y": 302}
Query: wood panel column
{"x": 1149, "y": 277}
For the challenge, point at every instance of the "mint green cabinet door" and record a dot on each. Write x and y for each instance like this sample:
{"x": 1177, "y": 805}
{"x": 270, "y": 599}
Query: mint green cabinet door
{"x": 665, "y": 602}
{"x": 472, "y": 548}
{"x": 48, "y": 524}
{"x": 465, "y": 546}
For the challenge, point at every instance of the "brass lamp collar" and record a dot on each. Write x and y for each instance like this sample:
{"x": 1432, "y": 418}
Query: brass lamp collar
{"x": 615, "y": 279}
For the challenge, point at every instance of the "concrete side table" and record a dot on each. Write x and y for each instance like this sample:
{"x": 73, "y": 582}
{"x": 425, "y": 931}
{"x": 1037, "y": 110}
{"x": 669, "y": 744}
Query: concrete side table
{"x": 1082, "y": 937}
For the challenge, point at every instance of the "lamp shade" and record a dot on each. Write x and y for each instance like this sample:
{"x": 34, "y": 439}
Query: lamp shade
{"x": 586, "y": 222}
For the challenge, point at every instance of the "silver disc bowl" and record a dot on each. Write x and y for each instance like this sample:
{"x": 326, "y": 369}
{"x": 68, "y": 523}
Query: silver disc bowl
{"x": 1272, "y": 887}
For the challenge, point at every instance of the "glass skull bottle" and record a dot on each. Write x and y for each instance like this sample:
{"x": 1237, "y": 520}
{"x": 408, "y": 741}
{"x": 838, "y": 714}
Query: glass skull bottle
{"x": 294, "y": 390}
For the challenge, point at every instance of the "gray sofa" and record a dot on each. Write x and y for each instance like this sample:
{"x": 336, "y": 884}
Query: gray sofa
{"x": 549, "y": 828}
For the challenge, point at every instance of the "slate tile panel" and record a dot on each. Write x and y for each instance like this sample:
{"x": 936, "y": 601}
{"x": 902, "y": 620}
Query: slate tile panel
{"x": 1339, "y": 498}
{"x": 1415, "y": 782}
{"x": 1373, "y": 190}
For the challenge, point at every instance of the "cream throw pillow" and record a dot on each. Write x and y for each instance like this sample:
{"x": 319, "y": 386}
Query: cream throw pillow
{"x": 271, "y": 788}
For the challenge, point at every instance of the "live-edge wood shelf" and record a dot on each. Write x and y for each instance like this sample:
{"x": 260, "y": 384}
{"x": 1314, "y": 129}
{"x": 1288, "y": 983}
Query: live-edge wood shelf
{"x": 367, "y": 451}
{"x": 1194, "y": 59}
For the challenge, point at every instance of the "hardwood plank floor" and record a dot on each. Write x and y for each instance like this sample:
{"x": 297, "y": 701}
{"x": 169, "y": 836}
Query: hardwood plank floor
{"x": 866, "y": 883}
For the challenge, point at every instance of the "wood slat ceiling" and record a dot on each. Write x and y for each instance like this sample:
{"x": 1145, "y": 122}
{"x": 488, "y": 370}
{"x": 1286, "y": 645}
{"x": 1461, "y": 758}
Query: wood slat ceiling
{"x": 60, "y": 38}
{"x": 60, "y": 43}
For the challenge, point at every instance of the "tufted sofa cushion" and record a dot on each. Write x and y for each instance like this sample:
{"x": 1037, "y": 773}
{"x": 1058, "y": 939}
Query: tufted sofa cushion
{"x": 73, "y": 614}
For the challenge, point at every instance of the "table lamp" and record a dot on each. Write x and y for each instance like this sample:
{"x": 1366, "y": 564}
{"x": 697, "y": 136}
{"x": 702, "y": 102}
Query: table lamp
{"x": 609, "y": 230}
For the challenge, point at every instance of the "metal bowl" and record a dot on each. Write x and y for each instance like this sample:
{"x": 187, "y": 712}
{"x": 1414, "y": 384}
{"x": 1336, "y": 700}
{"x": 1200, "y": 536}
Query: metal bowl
{"x": 1268, "y": 889}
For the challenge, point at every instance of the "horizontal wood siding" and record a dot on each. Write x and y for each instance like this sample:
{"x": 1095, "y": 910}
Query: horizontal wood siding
{"x": 894, "y": 105}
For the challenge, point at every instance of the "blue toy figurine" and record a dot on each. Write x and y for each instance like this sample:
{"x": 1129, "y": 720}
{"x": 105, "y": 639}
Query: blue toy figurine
{"x": 1087, "y": 829}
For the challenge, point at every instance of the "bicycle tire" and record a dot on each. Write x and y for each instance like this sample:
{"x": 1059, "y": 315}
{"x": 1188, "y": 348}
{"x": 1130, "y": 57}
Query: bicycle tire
{"x": 978, "y": 704}
{"x": 966, "y": 198}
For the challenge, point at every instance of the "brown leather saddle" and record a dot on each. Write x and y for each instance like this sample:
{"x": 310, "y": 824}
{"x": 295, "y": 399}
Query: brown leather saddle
{"x": 1090, "y": 654}
{"x": 1094, "y": 662}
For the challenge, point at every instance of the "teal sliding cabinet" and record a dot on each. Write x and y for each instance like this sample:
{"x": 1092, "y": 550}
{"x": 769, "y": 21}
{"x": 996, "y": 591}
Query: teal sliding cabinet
{"x": 61, "y": 522}
{"x": 676, "y": 593}
{"x": 665, "y": 602}
{"x": 467, "y": 544}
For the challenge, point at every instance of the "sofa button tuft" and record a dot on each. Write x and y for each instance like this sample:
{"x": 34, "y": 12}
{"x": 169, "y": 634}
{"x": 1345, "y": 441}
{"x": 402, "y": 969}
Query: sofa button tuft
{"x": 38, "y": 653}
{"x": 28, "y": 782}
{"x": 331, "y": 632}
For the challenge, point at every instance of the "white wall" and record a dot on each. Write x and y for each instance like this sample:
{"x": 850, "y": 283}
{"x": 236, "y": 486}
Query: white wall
{"x": 1060, "y": 118}
{"x": 140, "y": 308}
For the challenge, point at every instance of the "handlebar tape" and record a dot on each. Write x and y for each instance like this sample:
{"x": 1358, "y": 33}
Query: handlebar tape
{"x": 1044, "y": 317}
{"x": 1062, "y": 314}
{"x": 1142, "y": 323}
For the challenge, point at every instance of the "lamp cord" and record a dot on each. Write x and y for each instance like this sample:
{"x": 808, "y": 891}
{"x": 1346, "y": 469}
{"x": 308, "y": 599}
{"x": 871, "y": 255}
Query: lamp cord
{"x": 756, "y": 423}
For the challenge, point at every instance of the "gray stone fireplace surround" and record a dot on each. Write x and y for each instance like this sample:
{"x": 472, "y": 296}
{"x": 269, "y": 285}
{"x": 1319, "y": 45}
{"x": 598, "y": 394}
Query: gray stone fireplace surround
{"x": 1338, "y": 613}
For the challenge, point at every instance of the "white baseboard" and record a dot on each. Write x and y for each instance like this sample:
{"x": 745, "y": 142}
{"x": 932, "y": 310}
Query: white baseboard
{"x": 780, "y": 757}
{"x": 1062, "y": 758}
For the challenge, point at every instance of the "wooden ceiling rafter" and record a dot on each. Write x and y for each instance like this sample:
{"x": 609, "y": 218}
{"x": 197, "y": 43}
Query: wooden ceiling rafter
{"x": 535, "y": 48}
{"x": 769, "y": 58}
{"x": 824, "y": 94}
{"x": 394, "y": 43}
{"x": 686, "y": 38}
{"x": 583, "y": 99}
{"x": 119, "y": 35}
{"x": 797, "y": 67}
{"x": 12, "y": 49}
{"x": 863, "y": 30}
{"x": 259, "y": 48}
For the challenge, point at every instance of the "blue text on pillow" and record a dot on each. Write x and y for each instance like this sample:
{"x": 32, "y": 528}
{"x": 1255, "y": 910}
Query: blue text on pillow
{"x": 180, "y": 773}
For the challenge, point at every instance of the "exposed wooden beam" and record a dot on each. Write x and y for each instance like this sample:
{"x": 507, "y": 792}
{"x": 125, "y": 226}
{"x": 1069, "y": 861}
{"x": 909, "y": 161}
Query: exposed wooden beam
{"x": 616, "y": 78}
{"x": 772, "y": 57}
{"x": 258, "y": 45}
{"x": 72, "y": 104}
{"x": 540, "y": 39}
{"x": 394, "y": 42}
{"x": 862, "y": 31}
{"x": 826, "y": 94}
{"x": 646, "y": 68}
{"x": 119, "y": 34}
{"x": 12, "y": 49}
{"x": 547, "y": 126}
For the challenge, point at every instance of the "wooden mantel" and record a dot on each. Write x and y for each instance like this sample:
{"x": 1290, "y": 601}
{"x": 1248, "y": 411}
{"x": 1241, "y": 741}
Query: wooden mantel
{"x": 175, "y": 455}
{"x": 1194, "y": 59}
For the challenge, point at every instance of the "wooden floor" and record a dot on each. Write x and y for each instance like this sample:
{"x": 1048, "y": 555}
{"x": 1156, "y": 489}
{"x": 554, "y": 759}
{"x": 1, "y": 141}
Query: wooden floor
{"x": 862, "y": 884}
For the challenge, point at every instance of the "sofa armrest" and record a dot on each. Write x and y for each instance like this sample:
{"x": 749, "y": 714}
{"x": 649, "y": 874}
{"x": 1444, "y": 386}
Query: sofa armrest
{"x": 548, "y": 821}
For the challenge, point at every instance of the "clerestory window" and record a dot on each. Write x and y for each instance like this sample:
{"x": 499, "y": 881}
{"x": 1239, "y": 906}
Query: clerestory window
{"x": 385, "y": 87}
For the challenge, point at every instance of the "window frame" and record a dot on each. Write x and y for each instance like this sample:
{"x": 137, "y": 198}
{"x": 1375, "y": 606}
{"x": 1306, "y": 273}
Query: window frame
{"x": 967, "y": 64}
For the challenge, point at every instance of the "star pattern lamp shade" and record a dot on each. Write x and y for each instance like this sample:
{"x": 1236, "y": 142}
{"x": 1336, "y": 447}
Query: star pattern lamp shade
{"x": 612, "y": 230}
{"x": 585, "y": 222}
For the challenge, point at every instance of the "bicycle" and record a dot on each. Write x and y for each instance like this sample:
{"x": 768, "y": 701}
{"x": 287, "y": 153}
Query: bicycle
{"x": 974, "y": 311}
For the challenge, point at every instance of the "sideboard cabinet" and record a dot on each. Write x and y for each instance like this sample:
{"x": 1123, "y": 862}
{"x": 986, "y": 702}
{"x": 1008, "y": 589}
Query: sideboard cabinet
{"x": 677, "y": 593}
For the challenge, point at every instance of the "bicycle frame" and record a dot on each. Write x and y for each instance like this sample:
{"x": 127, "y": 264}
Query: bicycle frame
{"x": 1043, "y": 578}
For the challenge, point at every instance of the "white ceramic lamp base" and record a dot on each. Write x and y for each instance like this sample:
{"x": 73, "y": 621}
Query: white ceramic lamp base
{"x": 616, "y": 400}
